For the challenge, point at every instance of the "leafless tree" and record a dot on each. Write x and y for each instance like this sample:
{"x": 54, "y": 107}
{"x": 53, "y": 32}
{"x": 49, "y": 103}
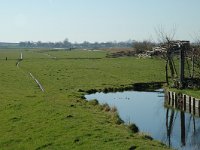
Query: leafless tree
{"x": 196, "y": 54}
{"x": 164, "y": 38}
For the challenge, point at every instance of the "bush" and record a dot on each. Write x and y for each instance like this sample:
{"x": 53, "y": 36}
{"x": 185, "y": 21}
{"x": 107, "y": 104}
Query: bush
{"x": 117, "y": 118}
{"x": 113, "y": 109}
{"x": 133, "y": 128}
{"x": 93, "y": 102}
{"x": 106, "y": 107}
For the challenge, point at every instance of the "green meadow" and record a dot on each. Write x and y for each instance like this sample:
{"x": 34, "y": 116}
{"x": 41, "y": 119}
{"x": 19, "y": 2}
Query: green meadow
{"x": 60, "y": 118}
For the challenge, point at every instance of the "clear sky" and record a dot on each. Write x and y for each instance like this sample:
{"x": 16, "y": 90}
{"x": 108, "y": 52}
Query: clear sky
{"x": 96, "y": 20}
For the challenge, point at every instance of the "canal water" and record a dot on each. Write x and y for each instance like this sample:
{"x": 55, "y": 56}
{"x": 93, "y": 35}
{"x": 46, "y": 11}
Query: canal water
{"x": 147, "y": 110}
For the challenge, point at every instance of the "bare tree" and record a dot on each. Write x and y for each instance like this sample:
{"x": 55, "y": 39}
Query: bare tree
{"x": 165, "y": 38}
{"x": 195, "y": 52}
{"x": 196, "y": 55}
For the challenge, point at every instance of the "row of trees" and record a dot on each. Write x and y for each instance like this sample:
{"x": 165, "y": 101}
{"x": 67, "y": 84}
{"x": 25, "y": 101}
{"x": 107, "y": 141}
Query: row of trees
{"x": 68, "y": 45}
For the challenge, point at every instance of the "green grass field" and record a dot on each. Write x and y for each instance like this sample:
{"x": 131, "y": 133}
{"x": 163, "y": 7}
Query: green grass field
{"x": 59, "y": 118}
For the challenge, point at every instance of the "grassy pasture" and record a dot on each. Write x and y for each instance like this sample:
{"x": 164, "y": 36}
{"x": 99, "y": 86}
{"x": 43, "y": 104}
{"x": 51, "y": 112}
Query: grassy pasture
{"x": 59, "y": 118}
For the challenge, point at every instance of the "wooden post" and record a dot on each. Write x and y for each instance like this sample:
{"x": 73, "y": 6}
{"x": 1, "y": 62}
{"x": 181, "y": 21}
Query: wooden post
{"x": 182, "y": 61}
{"x": 194, "y": 106}
{"x": 173, "y": 103}
{"x": 199, "y": 107}
{"x": 176, "y": 100}
{"x": 169, "y": 99}
{"x": 189, "y": 104}
{"x": 184, "y": 102}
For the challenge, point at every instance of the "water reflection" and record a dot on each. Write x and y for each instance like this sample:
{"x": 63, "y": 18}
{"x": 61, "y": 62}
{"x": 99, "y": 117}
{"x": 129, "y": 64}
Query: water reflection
{"x": 148, "y": 110}
{"x": 189, "y": 136}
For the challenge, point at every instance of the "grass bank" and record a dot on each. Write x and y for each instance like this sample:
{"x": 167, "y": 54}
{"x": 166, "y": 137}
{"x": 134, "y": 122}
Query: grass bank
{"x": 59, "y": 118}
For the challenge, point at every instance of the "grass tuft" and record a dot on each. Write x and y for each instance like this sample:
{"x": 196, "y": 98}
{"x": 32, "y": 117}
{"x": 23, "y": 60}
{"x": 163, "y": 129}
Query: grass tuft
{"x": 93, "y": 102}
{"x": 113, "y": 109}
{"x": 106, "y": 107}
{"x": 116, "y": 118}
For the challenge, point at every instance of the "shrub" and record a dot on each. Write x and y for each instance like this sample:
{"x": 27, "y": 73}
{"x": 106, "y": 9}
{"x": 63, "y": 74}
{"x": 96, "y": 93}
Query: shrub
{"x": 117, "y": 118}
{"x": 106, "y": 107}
{"x": 93, "y": 102}
{"x": 113, "y": 109}
{"x": 133, "y": 128}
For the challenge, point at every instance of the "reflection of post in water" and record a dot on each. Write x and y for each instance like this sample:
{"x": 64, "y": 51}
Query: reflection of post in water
{"x": 182, "y": 116}
{"x": 185, "y": 104}
{"x": 169, "y": 125}
{"x": 194, "y": 126}
{"x": 183, "y": 130}
{"x": 195, "y": 135}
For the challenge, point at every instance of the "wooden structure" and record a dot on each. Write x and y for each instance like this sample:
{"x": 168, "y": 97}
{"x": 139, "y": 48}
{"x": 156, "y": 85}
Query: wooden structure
{"x": 173, "y": 48}
{"x": 183, "y": 102}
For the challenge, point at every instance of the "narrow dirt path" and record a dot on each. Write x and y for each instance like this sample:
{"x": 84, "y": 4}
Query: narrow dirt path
{"x": 21, "y": 56}
{"x": 38, "y": 83}
{"x": 17, "y": 64}
{"x": 19, "y": 60}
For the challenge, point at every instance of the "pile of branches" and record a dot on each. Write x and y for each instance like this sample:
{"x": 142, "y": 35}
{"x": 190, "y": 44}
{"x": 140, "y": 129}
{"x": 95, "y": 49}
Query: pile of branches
{"x": 143, "y": 47}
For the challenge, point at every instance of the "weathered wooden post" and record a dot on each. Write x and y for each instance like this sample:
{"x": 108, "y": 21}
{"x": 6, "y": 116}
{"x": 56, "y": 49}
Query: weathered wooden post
{"x": 172, "y": 93}
{"x": 169, "y": 98}
{"x": 189, "y": 104}
{"x": 182, "y": 61}
{"x": 193, "y": 105}
{"x": 176, "y": 100}
{"x": 198, "y": 108}
{"x": 184, "y": 102}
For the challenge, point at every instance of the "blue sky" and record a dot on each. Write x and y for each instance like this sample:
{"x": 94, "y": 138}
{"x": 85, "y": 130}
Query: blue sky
{"x": 96, "y": 20}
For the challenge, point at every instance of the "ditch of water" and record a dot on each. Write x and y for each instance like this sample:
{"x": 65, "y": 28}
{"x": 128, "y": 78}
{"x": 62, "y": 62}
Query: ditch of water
{"x": 177, "y": 129}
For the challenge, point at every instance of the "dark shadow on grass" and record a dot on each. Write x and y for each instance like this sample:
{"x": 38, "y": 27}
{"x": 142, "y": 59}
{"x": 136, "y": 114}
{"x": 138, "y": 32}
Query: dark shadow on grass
{"x": 149, "y": 87}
